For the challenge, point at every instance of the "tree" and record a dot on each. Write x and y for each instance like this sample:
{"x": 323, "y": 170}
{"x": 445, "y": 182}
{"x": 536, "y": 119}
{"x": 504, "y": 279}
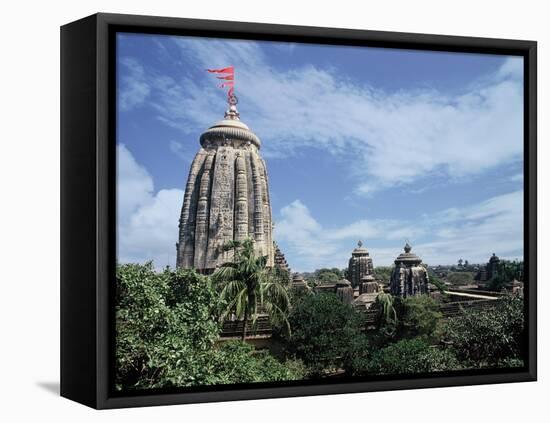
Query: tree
{"x": 328, "y": 275}
{"x": 505, "y": 273}
{"x": 245, "y": 285}
{"x": 420, "y": 317}
{"x": 323, "y": 328}
{"x": 238, "y": 362}
{"x": 383, "y": 273}
{"x": 410, "y": 356}
{"x": 489, "y": 337}
{"x": 166, "y": 327}
{"x": 168, "y": 335}
{"x": 388, "y": 314}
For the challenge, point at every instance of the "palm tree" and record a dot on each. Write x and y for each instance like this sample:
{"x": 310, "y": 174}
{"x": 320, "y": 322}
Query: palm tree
{"x": 388, "y": 314}
{"x": 247, "y": 284}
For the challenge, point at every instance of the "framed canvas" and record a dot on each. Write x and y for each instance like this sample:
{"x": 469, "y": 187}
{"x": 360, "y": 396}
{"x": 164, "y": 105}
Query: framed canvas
{"x": 257, "y": 211}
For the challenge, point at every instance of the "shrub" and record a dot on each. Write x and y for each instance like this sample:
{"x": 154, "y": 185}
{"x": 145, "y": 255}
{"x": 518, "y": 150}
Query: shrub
{"x": 419, "y": 316}
{"x": 322, "y": 329}
{"x": 489, "y": 337}
{"x": 411, "y": 356}
{"x": 238, "y": 362}
{"x": 167, "y": 332}
{"x": 165, "y": 326}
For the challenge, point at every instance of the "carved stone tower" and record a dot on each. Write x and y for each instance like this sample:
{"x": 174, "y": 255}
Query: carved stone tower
{"x": 409, "y": 278}
{"x": 226, "y": 197}
{"x": 360, "y": 265}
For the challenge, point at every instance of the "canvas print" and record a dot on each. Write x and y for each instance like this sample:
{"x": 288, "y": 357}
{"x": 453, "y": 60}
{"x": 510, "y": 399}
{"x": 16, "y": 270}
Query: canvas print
{"x": 301, "y": 213}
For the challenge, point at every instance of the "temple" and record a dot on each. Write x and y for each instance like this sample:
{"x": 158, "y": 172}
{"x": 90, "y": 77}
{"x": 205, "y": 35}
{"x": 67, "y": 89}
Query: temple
{"x": 409, "y": 278}
{"x": 359, "y": 266}
{"x": 226, "y": 197}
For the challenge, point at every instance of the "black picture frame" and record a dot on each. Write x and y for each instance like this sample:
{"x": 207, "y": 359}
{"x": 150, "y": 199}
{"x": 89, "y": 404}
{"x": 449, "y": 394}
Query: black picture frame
{"x": 88, "y": 243}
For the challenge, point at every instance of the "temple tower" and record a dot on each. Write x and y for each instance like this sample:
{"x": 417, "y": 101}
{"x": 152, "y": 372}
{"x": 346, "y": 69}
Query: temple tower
{"x": 360, "y": 265}
{"x": 409, "y": 277}
{"x": 492, "y": 266}
{"x": 226, "y": 197}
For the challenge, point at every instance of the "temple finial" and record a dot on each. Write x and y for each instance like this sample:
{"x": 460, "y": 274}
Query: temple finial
{"x": 359, "y": 243}
{"x": 232, "y": 112}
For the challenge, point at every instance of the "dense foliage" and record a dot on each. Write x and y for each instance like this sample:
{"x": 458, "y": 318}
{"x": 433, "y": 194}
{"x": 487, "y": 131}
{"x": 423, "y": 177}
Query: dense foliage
{"x": 410, "y": 356}
{"x": 490, "y": 337}
{"x": 238, "y": 362}
{"x": 323, "y": 328}
{"x": 168, "y": 335}
{"x": 506, "y": 272}
{"x": 383, "y": 273}
{"x": 166, "y": 327}
{"x": 419, "y": 317}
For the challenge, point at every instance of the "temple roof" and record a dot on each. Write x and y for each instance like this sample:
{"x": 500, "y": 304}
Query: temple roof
{"x": 230, "y": 128}
{"x": 360, "y": 250}
{"x": 407, "y": 257}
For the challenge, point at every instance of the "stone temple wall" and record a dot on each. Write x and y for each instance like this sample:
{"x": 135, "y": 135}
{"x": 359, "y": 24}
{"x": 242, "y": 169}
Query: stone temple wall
{"x": 226, "y": 198}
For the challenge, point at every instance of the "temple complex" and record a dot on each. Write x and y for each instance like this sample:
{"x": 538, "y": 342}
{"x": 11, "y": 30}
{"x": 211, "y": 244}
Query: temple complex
{"x": 360, "y": 265}
{"x": 226, "y": 197}
{"x": 409, "y": 277}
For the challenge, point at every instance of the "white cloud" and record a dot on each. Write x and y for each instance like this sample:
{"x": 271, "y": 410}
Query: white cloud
{"x": 147, "y": 223}
{"x": 134, "y": 88}
{"x": 135, "y": 185}
{"x": 472, "y": 232}
{"x": 396, "y": 137}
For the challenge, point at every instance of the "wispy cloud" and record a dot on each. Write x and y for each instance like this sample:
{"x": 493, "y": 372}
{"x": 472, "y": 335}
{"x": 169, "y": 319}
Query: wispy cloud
{"x": 178, "y": 149}
{"x": 472, "y": 232}
{"x": 134, "y": 87}
{"x": 396, "y": 137}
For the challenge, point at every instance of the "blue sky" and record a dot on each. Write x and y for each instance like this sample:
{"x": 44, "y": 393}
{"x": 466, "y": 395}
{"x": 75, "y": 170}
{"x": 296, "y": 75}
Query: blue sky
{"x": 374, "y": 144}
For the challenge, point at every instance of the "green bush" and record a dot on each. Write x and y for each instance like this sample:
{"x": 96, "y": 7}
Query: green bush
{"x": 238, "y": 362}
{"x": 383, "y": 273}
{"x": 322, "y": 330}
{"x": 489, "y": 337}
{"x": 165, "y": 325}
{"x": 419, "y": 316}
{"x": 167, "y": 329}
{"x": 410, "y": 356}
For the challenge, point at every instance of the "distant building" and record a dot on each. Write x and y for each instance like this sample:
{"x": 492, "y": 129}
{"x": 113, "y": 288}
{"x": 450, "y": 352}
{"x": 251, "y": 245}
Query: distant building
{"x": 409, "y": 278}
{"x": 489, "y": 270}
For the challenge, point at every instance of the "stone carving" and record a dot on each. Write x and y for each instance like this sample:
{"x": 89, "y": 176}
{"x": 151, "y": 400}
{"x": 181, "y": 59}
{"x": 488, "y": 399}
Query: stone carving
{"x": 368, "y": 285}
{"x": 344, "y": 291}
{"x": 409, "y": 278}
{"x": 360, "y": 265}
{"x": 226, "y": 197}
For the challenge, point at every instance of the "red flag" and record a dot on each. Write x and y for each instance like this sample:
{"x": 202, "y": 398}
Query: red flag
{"x": 229, "y": 69}
{"x": 229, "y": 77}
